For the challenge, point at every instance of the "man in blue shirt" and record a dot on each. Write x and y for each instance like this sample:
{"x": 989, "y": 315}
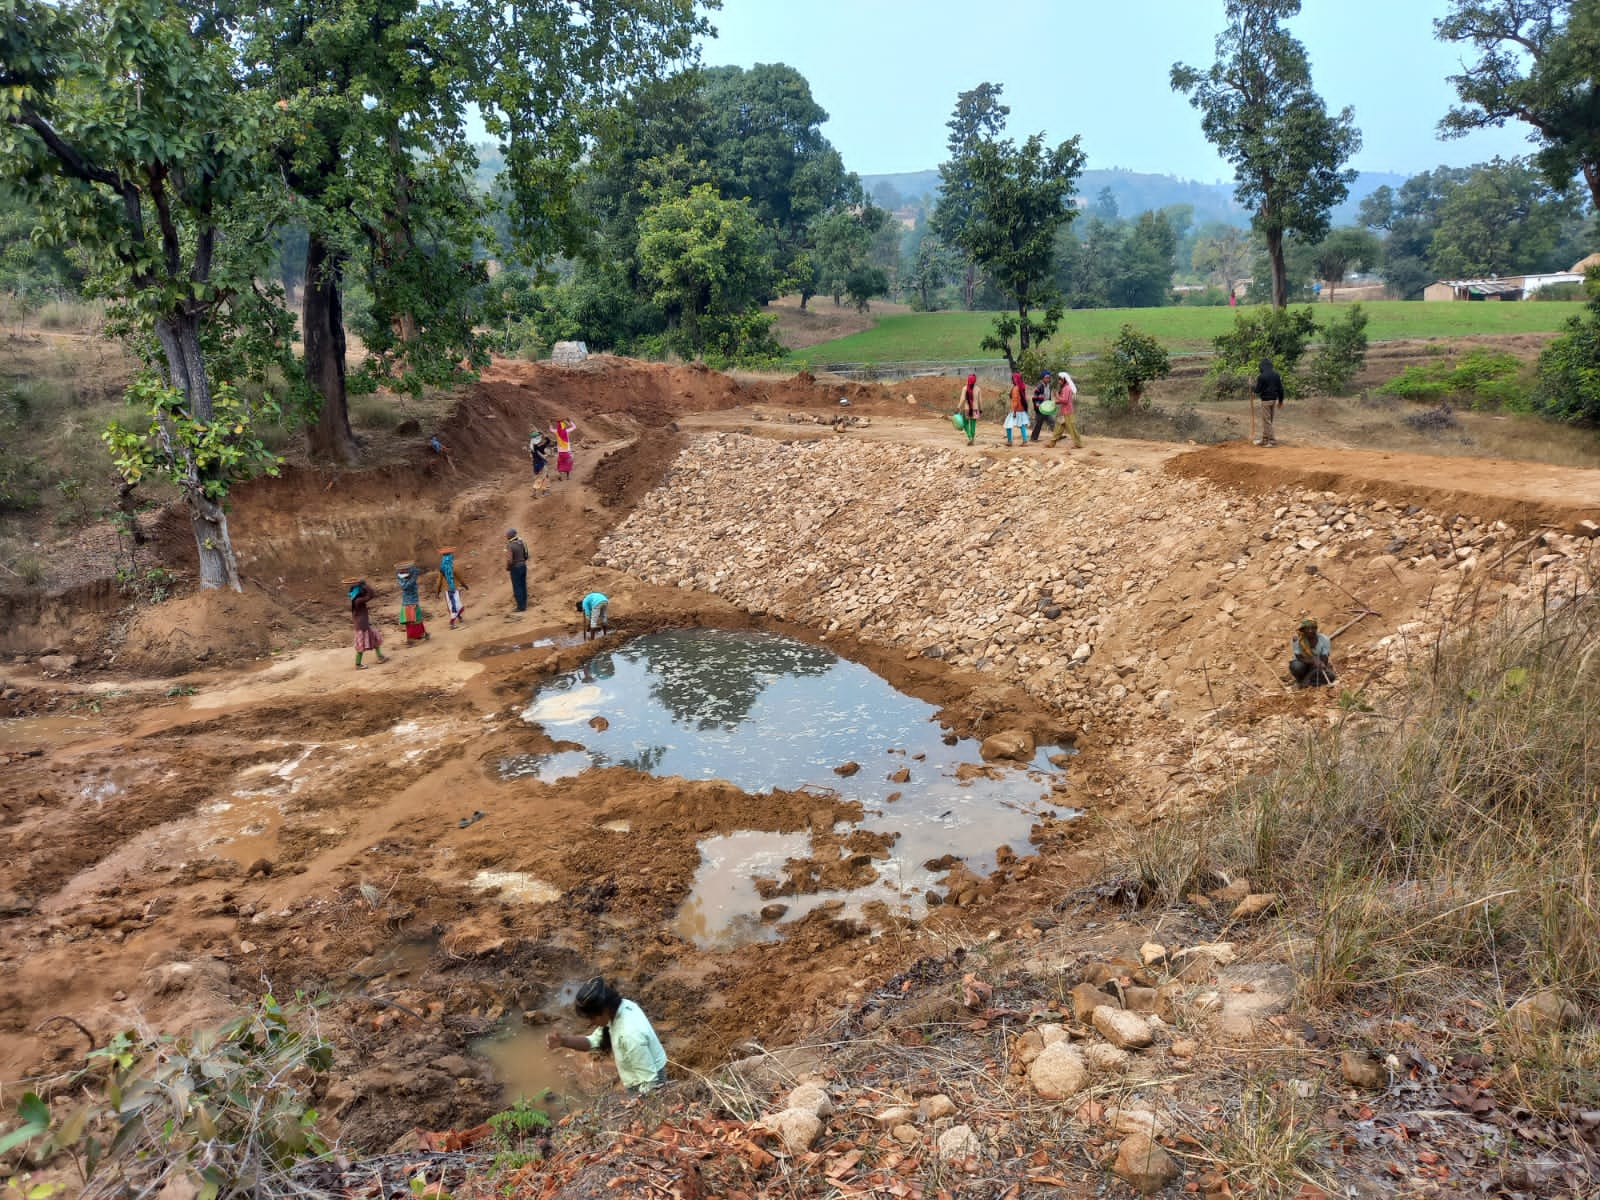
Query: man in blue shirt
{"x": 1311, "y": 662}
{"x": 593, "y": 607}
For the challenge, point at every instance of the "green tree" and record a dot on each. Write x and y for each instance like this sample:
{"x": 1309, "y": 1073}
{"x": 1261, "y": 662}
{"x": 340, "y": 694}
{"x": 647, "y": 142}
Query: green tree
{"x": 706, "y": 262}
{"x": 932, "y": 266}
{"x": 1503, "y": 219}
{"x": 1342, "y": 251}
{"x": 1537, "y": 65}
{"x": 1128, "y": 366}
{"x": 1408, "y": 218}
{"x": 1222, "y": 254}
{"x": 1013, "y": 200}
{"x": 979, "y": 116}
{"x": 1342, "y": 354}
{"x": 371, "y": 139}
{"x": 841, "y": 254}
{"x": 1569, "y": 367}
{"x": 1146, "y": 265}
{"x": 100, "y": 129}
{"x": 1258, "y": 108}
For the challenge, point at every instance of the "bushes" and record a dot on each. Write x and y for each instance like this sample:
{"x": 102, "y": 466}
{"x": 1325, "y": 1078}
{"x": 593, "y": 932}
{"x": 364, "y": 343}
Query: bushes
{"x": 1280, "y": 334}
{"x": 1342, "y": 354}
{"x": 1569, "y": 367}
{"x": 1129, "y": 364}
{"x": 1479, "y": 379}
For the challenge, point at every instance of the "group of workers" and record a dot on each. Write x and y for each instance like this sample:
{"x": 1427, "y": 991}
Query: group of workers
{"x": 1052, "y": 403}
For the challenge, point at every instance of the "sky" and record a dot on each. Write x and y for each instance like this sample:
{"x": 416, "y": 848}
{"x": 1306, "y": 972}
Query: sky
{"x": 888, "y": 72}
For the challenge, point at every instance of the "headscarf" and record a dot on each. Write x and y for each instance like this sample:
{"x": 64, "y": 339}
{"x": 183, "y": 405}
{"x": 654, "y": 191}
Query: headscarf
{"x": 447, "y": 568}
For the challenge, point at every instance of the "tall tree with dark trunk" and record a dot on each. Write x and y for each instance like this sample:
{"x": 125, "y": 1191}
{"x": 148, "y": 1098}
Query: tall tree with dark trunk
{"x": 101, "y": 126}
{"x": 1539, "y": 64}
{"x": 1257, "y": 107}
{"x": 1006, "y": 203}
{"x": 978, "y": 116}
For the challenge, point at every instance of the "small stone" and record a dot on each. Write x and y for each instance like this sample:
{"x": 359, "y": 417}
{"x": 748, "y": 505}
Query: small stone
{"x": 1128, "y": 1121}
{"x": 1543, "y": 1012}
{"x": 1082, "y": 653}
{"x": 898, "y": 1115}
{"x": 1254, "y": 905}
{"x": 1103, "y": 1059}
{"x": 959, "y": 1143}
{"x": 1152, "y": 954}
{"x": 599, "y": 723}
{"x": 1184, "y": 1048}
{"x": 1126, "y": 1030}
{"x": 906, "y": 1135}
{"x": 798, "y": 1128}
{"x": 773, "y": 912}
{"x": 1085, "y": 999}
{"x": 903, "y": 775}
{"x": 13, "y": 905}
{"x": 1363, "y": 1071}
{"x": 813, "y": 1098}
{"x": 935, "y": 1107}
{"x": 1058, "y": 1072}
{"x": 1143, "y": 1165}
{"x": 1014, "y": 744}
{"x": 119, "y": 995}
{"x": 247, "y": 947}
{"x": 847, "y": 769}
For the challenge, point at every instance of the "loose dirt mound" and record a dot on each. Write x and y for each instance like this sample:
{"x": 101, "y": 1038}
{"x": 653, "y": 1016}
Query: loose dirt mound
{"x": 207, "y": 628}
{"x": 1519, "y": 493}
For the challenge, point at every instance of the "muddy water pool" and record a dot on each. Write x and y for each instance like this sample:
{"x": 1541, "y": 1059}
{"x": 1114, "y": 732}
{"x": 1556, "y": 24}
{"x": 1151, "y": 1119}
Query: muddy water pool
{"x": 763, "y": 711}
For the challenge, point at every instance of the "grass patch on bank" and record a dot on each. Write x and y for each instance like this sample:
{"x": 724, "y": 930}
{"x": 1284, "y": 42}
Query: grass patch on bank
{"x": 1441, "y": 851}
{"x": 955, "y": 336}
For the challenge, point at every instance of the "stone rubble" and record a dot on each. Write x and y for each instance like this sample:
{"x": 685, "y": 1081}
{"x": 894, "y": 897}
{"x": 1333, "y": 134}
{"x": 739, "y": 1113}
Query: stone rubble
{"x": 1142, "y": 605}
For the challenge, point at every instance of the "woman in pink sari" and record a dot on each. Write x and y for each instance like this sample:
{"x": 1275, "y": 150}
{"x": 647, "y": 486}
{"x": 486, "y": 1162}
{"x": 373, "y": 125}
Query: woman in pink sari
{"x": 563, "y": 430}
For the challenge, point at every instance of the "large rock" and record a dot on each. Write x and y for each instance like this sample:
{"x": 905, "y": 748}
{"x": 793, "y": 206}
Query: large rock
{"x": 813, "y": 1098}
{"x": 798, "y": 1127}
{"x": 1143, "y": 1165}
{"x": 569, "y": 354}
{"x": 1013, "y": 744}
{"x": 1124, "y": 1030}
{"x": 1085, "y": 998}
{"x": 1058, "y": 1072}
{"x": 1543, "y": 1012}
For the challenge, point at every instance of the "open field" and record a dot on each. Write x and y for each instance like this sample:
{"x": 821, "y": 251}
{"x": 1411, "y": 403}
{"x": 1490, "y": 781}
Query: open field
{"x": 955, "y": 336}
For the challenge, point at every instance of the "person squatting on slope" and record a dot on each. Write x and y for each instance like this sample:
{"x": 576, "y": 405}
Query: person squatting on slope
{"x": 450, "y": 583}
{"x": 367, "y": 638}
{"x": 1066, "y": 420}
{"x": 624, "y": 1030}
{"x": 407, "y": 575}
{"x": 594, "y": 608}
{"x": 1311, "y": 663}
{"x": 1269, "y": 386}
{"x": 517, "y": 568}
{"x": 969, "y": 408}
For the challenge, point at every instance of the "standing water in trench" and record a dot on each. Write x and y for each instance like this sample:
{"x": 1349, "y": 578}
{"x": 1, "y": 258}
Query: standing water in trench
{"x": 763, "y": 711}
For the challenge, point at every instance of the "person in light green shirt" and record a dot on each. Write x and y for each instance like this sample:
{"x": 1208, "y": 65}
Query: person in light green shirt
{"x": 624, "y": 1030}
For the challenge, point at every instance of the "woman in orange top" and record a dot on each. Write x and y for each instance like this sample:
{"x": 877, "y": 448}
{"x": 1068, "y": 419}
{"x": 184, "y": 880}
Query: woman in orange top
{"x": 1017, "y": 417}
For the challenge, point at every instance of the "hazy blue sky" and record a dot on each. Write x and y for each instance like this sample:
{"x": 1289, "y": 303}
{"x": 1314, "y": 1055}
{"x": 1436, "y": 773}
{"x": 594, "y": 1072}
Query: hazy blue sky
{"x": 888, "y": 72}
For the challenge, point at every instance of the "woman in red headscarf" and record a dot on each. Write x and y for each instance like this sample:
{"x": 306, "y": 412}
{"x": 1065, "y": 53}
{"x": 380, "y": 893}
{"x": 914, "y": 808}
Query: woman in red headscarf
{"x": 970, "y": 407}
{"x": 1017, "y": 417}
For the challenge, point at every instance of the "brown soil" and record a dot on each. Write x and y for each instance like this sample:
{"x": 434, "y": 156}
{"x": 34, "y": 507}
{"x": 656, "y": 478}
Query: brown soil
{"x": 292, "y": 821}
{"x": 822, "y": 320}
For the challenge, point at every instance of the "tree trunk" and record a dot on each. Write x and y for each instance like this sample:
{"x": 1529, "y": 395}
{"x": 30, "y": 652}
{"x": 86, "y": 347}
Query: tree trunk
{"x": 969, "y": 285}
{"x": 180, "y": 342}
{"x": 330, "y": 438}
{"x": 1280, "y": 273}
{"x": 1022, "y": 327}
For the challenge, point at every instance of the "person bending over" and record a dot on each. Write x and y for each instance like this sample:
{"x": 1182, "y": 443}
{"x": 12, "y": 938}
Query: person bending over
{"x": 594, "y": 609}
{"x": 624, "y": 1030}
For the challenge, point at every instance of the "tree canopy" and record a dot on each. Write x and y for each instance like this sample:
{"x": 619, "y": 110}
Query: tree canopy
{"x": 1258, "y": 108}
{"x": 1539, "y": 63}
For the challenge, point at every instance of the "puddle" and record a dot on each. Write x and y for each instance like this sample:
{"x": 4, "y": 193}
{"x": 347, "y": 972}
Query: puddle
{"x": 546, "y": 768}
{"x": 763, "y": 711}
{"x": 548, "y": 1079}
{"x": 495, "y": 650}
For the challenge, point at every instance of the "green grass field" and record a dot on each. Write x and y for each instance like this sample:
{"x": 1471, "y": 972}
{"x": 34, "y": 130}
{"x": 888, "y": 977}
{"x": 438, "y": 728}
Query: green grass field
{"x": 954, "y": 336}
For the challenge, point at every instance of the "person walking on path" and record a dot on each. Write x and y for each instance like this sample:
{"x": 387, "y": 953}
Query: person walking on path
{"x": 594, "y": 608}
{"x": 1044, "y": 407}
{"x": 1311, "y": 661}
{"x": 451, "y": 583}
{"x": 563, "y": 430}
{"x": 1017, "y": 414}
{"x": 367, "y": 638}
{"x": 971, "y": 406}
{"x": 539, "y": 452}
{"x": 517, "y": 568}
{"x": 1066, "y": 420}
{"x": 407, "y": 575}
{"x": 1269, "y": 386}
{"x": 624, "y": 1030}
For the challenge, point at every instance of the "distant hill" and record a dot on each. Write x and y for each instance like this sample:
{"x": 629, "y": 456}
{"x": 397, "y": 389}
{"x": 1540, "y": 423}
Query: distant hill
{"x": 1136, "y": 192}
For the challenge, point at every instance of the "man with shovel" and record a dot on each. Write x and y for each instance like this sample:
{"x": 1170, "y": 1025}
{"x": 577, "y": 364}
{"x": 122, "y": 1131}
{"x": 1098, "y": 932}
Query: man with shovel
{"x": 1311, "y": 663}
